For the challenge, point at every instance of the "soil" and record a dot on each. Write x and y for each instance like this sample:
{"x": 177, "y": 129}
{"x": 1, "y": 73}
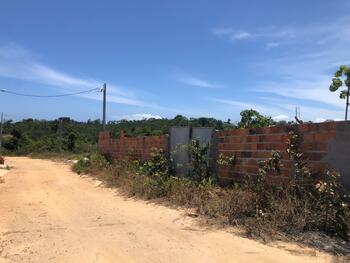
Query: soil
{"x": 50, "y": 214}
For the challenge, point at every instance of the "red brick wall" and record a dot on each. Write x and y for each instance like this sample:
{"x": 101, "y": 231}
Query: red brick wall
{"x": 133, "y": 147}
{"x": 248, "y": 145}
{"x": 251, "y": 145}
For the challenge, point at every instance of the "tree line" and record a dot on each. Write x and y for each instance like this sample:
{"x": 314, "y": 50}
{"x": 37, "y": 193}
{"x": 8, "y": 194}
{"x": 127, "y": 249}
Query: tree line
{"x": 67, "y": 135}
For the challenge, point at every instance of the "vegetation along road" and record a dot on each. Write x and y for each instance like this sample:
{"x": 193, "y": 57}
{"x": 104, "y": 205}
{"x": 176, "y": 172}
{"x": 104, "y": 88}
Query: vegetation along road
{"x": 50, "y": 214}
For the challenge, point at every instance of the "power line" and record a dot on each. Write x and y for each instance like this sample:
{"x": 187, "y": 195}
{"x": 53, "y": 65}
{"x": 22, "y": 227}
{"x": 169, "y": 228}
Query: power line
{"x": 48, "y": 96}
{"x": 104, "y": 90}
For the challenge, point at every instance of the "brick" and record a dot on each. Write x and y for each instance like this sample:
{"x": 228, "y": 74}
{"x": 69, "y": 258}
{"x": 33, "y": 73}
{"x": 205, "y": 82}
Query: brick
{"x": 276, "y": 138}
{"x": 317, "y": 166}
{"x": 251, "y": 169}
{"x": 271, "y": 146}
{"x": 327, "y": 126}
{"x": 303, "y": 127}
{"x": 324, "y": 136}
{"x": 248, "y": 161}
{"x": 248, "y": 145}
{"x": 221, "y": 134}
{"x": 278, "y": 129}
{"x": 314, "y": 146}
{"x": 251, "y": 139}
{"x": 255, "y": 131}
{"x": 233, "y": 139}
{"x": 315, "y": 155}
{"x": 331, "y": 125}
{"x": 241, "y": 132}
{"x": 278, "y": 179}
{"x": 287, "y": 164}
{"x": 246, "y": 154}
{"x": 309, "y": 137}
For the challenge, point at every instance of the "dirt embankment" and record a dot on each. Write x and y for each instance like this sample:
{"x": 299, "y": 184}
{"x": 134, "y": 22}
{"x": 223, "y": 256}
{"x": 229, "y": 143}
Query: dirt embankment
{"x": 49, "y": 214}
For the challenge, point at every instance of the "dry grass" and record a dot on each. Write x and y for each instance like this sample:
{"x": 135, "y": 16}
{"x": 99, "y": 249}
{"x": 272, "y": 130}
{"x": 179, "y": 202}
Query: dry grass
{"x": 62, "y": 156}
{"x": 285, "y": 217}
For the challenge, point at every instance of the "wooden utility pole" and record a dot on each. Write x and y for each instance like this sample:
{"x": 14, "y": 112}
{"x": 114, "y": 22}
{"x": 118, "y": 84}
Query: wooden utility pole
{"x": 1, "y": 121}
{"x": 347, "y": 103}
{"x": 104, "y": 90}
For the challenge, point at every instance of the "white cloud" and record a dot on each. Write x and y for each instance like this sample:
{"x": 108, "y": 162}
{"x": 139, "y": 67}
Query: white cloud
{"x": 308, "y": 112}
{"x": 281, "y": 108}
{"x": 141, "y": 116}
{"x": 304, "y": 89}
{"x": 235, "y": 103}
{"x": 241, "y": 35}
{"x": 303, "y": 74}
{"x": 281, "y": 117}
{"x": 265, "y": 32}
{"x": 244, "y": 105}
{"x": 315, "y": 34}
{"x": 195, "y": 82}
{"x": 18, "y": 63}
{"x": 320, "y": 120}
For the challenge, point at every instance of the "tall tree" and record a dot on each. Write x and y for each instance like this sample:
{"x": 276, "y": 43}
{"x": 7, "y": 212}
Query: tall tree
{"x": 253, "y": 119}
{"x": 341, "y": 78}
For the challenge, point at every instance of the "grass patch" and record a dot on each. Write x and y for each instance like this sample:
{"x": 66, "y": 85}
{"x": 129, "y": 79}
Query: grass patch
{"x": 278, "y": 213}
{"x": 55, "y": 156}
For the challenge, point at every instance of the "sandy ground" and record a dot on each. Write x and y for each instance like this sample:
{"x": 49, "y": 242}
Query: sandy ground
{"x": 49, "y": 214}
{"x": 2, "y": 174}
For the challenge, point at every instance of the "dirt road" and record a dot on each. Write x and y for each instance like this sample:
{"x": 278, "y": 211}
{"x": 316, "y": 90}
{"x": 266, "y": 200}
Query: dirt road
{"x": 49, "y": 214}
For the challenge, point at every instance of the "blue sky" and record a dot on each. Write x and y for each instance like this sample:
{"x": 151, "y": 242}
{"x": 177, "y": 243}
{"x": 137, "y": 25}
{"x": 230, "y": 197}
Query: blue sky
{"x": 163, "y": 58}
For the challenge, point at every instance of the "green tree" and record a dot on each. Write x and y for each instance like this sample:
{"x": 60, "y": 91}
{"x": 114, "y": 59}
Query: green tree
{"x": 72, "y": 137}
{"x": 253, "y": 119}
{"x": 342, "y": 76}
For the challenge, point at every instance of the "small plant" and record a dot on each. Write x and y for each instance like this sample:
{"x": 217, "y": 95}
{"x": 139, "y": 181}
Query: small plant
{"x": 300, "y": 170}
{"x": 82, "y": 165}
{"x": 154, "y": 174}
{"x": 208, "y": 182}
{"x": 334, "y": 214}
{"x": 158, "y": 164}
{"x": 226, "y": 160}
{"x": 199, "y": 161}
{"x": 89, "y": 163}
{"x": 328, "y": 211}
{"x": 271, "y": 165}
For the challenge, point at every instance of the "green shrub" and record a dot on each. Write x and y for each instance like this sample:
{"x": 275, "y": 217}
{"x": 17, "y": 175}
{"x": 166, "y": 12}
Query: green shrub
{"x": 261, "y": 186}
{"x": 157, "y": 166}
{"x": 151, "y": 179}
{"x": 90, "y": 163}
{"x": 82, "y": 166}
{"x": 199, "y": 161}
{"x": 332, "y": 210}
{"x": 226, "y": 160}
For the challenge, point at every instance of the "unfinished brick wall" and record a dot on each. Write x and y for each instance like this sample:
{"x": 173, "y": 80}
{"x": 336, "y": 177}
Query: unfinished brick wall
{"x": 124, "y": 147}
{"x": 326, "y": 145}
{"x": 251, "y": 145}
